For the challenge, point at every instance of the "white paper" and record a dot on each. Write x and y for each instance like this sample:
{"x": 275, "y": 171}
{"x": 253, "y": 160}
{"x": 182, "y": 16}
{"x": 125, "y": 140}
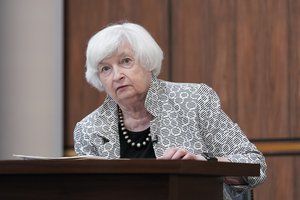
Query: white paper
{"x": 31, "y": 157}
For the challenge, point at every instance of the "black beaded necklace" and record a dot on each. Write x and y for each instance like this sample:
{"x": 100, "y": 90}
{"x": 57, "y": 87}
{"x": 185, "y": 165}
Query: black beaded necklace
{"x": 124, "y": 133}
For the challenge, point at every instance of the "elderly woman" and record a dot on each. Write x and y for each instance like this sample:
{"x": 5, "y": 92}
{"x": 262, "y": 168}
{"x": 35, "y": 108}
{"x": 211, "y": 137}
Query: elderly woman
{"x": 145, "y": 117}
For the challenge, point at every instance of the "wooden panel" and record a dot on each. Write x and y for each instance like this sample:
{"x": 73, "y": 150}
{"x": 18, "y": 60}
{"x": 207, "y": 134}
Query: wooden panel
{"x": 134, "y": 166}
{"x": 279, "y": 147}
{"x": 296, "y": 183}
{"x": 203, "y": 46}
{"x": 294, "y": 67}
{"x": 280, "y": 180}
{"x": 117, "y": 179}
{"x": 248, "y": 51}
{"x": 262, "y": 67}
{"x": 294, "y": 83}
{"x": 82, "y": 20}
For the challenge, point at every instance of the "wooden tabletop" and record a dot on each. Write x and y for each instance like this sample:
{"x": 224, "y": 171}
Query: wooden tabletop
{"x": 146, "y": 166}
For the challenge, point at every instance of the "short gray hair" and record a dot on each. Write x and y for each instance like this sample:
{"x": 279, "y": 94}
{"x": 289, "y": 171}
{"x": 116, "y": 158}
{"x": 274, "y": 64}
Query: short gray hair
{"x": 104, "y": 43}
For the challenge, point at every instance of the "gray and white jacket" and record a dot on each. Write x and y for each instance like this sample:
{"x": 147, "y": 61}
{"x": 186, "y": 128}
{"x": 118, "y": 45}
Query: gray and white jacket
{"x": 185, "y": 115}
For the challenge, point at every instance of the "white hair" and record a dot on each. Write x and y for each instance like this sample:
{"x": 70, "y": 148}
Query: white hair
{"x": 107, "y": 41}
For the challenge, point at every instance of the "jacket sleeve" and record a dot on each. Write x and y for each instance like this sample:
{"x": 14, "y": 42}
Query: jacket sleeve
{"x": 82, "y": 144}
{"x": 224, "y": 138}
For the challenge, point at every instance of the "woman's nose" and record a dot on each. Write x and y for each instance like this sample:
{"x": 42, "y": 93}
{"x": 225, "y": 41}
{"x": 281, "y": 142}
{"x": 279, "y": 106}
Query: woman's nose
{"x": 117, "y": 73}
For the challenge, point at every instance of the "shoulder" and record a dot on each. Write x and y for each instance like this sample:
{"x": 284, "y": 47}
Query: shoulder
{"x": 198, "y": 89}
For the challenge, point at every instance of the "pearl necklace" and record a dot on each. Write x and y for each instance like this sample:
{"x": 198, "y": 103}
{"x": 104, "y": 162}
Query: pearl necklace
{"x": 126, "y": 135}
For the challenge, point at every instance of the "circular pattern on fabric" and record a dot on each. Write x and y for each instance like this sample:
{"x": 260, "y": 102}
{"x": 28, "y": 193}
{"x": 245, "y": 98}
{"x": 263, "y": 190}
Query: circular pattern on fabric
{"x": 186, "y": 116}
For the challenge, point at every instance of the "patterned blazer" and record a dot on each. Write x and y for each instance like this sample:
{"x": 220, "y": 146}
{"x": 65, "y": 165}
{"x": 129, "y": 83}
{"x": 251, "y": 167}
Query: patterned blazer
{"x": 186, "y": 115}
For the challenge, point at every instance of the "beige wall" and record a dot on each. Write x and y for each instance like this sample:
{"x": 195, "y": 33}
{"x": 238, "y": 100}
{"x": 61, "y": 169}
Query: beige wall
{"x": 31, "y": 77}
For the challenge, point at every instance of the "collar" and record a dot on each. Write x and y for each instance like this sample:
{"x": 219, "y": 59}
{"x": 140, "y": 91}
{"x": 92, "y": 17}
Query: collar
{"x": 107, "y": 119}
{"x": 153, "y": 96}
{"x": 109, "y": 106}
{"x": 151, "y": 102}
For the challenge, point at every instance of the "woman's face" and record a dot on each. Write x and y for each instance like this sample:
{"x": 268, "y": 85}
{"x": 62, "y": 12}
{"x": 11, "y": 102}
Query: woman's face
{"x": 123, "y": 77}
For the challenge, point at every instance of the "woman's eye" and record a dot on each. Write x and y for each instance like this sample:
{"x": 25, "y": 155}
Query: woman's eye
{"x": 126, "y": 61}
{"x": 105, "y": 69}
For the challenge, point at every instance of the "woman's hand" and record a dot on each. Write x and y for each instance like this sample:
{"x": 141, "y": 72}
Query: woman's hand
{"x": 179, "y": 154}
{"x": 182, "y": 154}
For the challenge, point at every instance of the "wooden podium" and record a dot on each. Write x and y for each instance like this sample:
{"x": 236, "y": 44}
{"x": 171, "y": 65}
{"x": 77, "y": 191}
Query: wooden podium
{"x": 90, "y": 179}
